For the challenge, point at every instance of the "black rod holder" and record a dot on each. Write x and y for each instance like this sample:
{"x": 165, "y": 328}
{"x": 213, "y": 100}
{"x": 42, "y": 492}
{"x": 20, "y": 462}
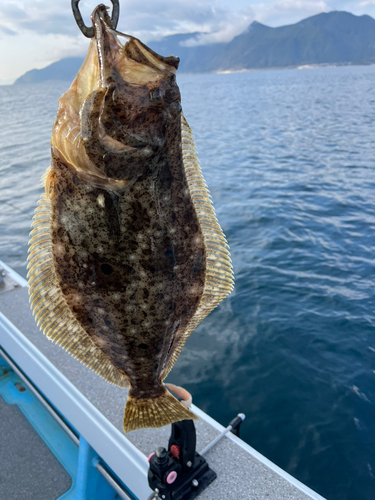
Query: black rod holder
{"x": 180, "y": 472}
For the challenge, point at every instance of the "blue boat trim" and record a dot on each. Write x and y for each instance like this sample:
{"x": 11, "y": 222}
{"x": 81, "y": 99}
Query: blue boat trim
{"x": 81, "y": 462}
{"x": 113, "y": 446}
{"x": 48, "y": 429}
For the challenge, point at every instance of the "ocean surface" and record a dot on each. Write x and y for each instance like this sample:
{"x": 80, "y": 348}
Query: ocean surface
{"x": 289, "y": 157}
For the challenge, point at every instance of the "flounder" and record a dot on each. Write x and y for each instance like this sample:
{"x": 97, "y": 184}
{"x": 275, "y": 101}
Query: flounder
{"x": 126, "y": 255}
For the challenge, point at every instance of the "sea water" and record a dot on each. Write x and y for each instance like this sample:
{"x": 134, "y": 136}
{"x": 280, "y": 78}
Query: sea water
{"x": 289, "y": 157}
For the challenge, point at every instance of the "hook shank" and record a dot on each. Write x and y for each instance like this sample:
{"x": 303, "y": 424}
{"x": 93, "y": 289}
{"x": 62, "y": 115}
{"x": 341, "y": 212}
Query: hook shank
{"x": 89, "y": 31}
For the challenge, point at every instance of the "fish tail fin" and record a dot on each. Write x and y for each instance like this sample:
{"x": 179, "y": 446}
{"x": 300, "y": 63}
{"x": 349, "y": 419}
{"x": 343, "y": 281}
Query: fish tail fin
{"x": 155, "y": 412}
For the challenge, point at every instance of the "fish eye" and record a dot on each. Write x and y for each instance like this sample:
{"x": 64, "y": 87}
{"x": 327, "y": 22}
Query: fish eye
{"x": 175, "y": 108}
{"x": 155, "y": 95}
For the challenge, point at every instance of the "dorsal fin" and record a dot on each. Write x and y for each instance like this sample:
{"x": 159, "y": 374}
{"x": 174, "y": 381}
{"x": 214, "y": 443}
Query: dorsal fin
{"x": 219, "y": 278}
{"x": 49, "y": 306}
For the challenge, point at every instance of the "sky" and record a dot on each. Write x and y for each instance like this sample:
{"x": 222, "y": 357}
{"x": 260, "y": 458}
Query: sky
{"x": 35, "y": 33}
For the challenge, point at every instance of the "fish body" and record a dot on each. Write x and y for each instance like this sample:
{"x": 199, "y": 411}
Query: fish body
{"x": 126, "y": 256}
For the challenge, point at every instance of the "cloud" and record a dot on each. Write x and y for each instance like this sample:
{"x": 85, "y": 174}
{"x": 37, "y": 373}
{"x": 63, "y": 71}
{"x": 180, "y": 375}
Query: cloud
{"x": 288, "y": 11}
{"x": 7, "y": 31}
{"x": 163, "y": 17}
{"x": 224, "y": 29}
{"x": 56, "y": 24}
{"x": 302, "y": 5}
{"x": 12, "y": 11}
{"x": 42, "y": 17}
{"x": 153, "y": 18}
{"x": 231, "y": 24}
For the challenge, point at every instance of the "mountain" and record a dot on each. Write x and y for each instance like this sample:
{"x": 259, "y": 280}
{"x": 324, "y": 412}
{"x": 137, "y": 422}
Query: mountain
{"x": 65, "y": 69}
{"x": 327, "y": 38}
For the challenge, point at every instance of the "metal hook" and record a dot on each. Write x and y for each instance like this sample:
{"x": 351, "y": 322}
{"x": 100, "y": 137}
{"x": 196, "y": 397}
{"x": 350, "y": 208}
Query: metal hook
{"x": 89, "y": 32}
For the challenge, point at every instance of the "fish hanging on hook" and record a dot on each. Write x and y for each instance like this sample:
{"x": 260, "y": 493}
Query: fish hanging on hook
{"x": 126, "y": 256}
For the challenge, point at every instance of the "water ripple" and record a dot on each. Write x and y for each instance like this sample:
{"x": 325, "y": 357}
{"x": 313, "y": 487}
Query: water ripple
{"x": 289, "y": 159}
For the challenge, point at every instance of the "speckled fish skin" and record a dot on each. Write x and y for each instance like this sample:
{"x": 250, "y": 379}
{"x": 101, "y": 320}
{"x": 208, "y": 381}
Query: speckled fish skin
{"x": 120, "y": 250}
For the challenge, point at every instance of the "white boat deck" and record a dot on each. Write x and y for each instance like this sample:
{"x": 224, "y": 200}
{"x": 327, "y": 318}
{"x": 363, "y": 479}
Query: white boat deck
{"x": 95, "y": 408}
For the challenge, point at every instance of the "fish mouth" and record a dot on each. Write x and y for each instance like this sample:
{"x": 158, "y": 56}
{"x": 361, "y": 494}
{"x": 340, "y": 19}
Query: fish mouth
{"x": 134, "y": 61}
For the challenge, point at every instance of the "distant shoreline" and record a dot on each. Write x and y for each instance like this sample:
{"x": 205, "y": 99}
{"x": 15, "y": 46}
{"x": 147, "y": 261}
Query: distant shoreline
{"x": 224, "y": 72}
{"x": 303, "y": 66}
